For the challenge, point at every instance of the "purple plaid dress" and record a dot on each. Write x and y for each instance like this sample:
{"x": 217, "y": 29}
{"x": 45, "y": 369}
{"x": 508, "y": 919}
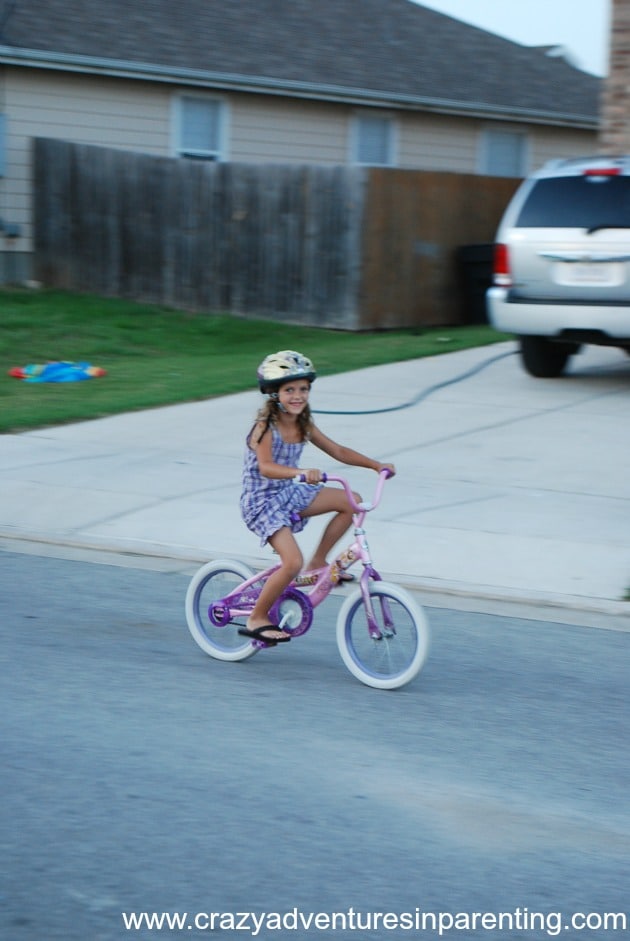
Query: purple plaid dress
{"x": 266, "y": 504}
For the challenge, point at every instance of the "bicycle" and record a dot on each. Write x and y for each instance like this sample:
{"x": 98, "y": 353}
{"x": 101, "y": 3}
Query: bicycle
{"x": 382, "y": 634}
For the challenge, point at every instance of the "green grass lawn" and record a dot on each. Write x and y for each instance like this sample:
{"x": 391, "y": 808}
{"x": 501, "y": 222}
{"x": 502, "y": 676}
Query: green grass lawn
{"x": 155, "y": 356}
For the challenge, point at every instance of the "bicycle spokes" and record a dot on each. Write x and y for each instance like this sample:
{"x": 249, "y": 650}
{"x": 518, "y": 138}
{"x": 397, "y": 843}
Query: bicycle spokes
{"x": 393, "y": 647}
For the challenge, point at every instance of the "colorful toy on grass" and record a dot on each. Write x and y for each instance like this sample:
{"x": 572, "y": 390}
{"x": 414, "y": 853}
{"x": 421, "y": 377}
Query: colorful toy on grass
{"x": 56, "y": 372}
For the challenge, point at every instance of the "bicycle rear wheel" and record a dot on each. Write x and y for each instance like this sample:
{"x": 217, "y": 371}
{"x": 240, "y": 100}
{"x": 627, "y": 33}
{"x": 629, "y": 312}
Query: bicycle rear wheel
{"x": 398, "y": 656}
{"x": 212, "y": 582}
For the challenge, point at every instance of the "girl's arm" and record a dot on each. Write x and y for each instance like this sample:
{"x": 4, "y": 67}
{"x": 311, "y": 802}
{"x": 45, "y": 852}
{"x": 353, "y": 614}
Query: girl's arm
{"x": 345, "y": 455}
{"x": 266, "y": 464}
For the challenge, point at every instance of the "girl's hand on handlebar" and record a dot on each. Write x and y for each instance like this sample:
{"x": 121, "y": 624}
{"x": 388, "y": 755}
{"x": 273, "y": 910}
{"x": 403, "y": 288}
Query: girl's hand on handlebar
{"x": 387, "y": 467}
{"x": 311, "y": 476}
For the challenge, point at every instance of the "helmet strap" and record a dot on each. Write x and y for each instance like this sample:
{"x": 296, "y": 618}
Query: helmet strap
{"x": 275, "y": 398}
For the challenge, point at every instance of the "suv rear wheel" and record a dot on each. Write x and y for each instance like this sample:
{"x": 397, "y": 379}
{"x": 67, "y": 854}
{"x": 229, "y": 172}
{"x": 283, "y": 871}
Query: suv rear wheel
{"x": 545, "y": 358}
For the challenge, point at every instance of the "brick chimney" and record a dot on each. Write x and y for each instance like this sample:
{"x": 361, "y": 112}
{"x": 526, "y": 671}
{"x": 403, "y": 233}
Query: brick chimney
{"x": 614, "y": 126}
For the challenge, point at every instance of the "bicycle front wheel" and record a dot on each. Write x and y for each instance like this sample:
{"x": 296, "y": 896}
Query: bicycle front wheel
{"x": 212, "y": 582}
{"x": 398, "y": 656}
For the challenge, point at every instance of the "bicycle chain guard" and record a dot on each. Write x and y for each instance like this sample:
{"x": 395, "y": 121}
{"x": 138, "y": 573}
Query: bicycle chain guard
{"x": 292, "y": 612}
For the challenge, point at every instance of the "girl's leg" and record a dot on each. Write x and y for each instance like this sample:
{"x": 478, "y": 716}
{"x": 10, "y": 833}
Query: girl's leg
{"x": 330, "y": 500}
{"x": 290, "y": 565}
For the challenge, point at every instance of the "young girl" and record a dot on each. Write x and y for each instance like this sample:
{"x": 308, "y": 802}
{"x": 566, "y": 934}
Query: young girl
{"x": 272, "y": 505}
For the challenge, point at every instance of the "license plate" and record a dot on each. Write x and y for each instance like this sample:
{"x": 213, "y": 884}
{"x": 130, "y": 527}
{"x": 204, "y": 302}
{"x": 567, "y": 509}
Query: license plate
{"x": 582, "y": 272}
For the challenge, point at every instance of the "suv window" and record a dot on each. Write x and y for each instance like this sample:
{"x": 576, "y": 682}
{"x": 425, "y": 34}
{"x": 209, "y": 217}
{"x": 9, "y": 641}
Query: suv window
{"x": 580, "y": 202}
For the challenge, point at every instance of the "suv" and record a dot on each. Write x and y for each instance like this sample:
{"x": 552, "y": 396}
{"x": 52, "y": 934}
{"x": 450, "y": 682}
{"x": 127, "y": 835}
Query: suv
{"x": 562, "y": 262}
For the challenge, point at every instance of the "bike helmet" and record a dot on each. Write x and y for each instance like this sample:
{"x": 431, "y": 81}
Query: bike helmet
{"x": 278, "y": 368}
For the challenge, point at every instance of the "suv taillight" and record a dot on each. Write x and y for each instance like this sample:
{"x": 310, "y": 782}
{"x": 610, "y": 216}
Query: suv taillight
{"x": 602, "y": 171}
{"x": 501, "y": 275}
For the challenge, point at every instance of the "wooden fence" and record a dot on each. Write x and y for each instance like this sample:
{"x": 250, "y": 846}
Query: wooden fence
{"x": 341, "y": 247}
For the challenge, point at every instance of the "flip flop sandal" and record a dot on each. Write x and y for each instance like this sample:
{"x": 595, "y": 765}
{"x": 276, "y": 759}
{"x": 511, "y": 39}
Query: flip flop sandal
{"x": 256, "y": 633}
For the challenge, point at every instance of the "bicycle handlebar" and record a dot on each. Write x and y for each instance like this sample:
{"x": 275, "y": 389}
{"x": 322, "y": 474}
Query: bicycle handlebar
{"x": 365, "y": 505}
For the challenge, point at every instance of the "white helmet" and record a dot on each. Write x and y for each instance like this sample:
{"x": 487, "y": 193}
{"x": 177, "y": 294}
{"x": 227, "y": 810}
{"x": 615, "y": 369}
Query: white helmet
{"x": 278, "y": 368}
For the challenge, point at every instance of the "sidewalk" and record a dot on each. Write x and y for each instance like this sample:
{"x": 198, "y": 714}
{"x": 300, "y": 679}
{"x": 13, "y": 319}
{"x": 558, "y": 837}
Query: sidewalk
{"x": 507, "y": 487}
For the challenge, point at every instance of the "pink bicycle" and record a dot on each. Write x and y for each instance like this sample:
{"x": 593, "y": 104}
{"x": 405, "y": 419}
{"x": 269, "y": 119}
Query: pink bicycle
{"x": 382, "y": 634}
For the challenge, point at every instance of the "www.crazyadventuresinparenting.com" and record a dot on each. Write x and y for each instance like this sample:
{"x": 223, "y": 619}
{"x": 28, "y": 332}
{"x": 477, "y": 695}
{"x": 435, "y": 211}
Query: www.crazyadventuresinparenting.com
{"x": 440, "y": 924}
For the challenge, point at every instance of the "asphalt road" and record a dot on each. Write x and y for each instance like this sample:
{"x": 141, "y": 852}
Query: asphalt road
{"x": 139, "y": 775}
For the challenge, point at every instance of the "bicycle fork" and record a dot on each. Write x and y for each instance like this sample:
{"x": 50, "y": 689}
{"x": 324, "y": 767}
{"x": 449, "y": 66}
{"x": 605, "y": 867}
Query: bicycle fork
{"x": 370, "y": 574}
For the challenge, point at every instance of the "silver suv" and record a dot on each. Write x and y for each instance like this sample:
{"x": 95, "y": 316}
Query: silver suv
{"x": 562, "y": 262}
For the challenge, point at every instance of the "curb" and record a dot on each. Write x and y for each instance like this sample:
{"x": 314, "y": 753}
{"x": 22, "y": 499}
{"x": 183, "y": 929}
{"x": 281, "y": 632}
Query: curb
{"x": 435, "y": 592}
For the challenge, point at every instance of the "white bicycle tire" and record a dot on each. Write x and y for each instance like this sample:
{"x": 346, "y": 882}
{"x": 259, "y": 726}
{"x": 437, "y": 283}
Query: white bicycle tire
{"x": 205, "y": 635}
{"x": 387, "y": 650}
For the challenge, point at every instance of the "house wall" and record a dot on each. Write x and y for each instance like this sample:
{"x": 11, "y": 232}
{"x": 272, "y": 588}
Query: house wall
{"x": 113, "y": 113}
{"x": 437, "y": 142}
{"x": 550, "y": 143}
{"x": 264, "y": 127}
{"x": 269, "y": 129}
{"x": 138, "y": 116}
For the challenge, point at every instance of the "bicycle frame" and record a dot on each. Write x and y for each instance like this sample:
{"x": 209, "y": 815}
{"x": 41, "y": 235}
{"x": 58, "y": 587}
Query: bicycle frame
{"x": 320, "y": 582}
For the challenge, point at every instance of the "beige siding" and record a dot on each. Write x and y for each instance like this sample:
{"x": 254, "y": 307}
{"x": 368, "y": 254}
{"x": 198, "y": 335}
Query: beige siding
{"x": 138, "y": 115}
{"x": 266, "y": 129}
{"x": 552, "y": 143}
{"x": 104, "y": 112}
{"x": 452, "y": 144}
{"x": 437, "y": 142}
{"x": 273, "y": 130}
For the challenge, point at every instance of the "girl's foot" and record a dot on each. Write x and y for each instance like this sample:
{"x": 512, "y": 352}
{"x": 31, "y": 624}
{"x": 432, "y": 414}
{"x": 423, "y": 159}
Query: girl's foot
{"x": 268, "y": 633}
{"x": 312, "y": 571}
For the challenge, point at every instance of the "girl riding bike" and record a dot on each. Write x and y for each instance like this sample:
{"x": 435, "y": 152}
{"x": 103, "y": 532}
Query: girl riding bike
{"x": 272, "y": 504}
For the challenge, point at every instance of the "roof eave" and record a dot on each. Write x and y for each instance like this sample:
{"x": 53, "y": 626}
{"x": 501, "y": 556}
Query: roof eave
{"x": 255, "y": 84}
